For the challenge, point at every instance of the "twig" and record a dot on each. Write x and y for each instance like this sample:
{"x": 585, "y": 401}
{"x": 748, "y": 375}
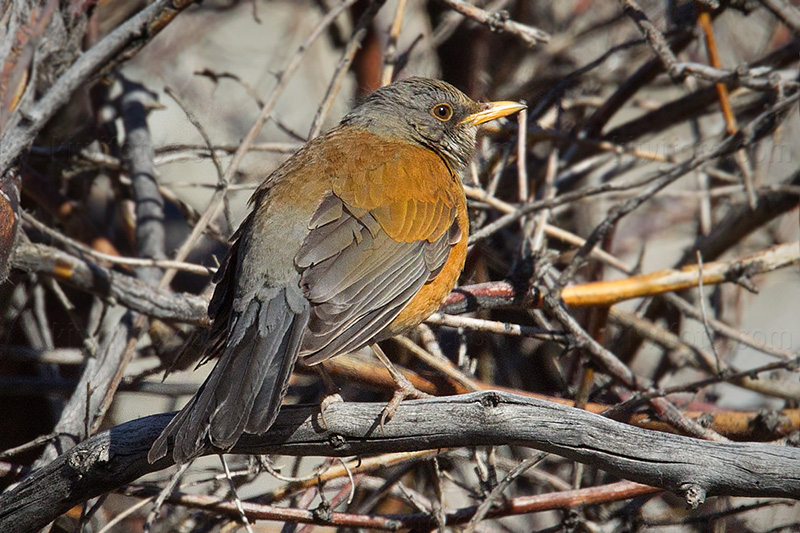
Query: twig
{"x": 236, "y": 500}
{"x": 115, "y": 259}
{"x": 610, "y": 292}
{"x": 138, "y": 150}
{"x": 390, "y": 55}
{"x": 359, "y": 33}
{"x": 703, "y": 313}
{"x": 128, "y": 291}
{"x": 497, "y": 492}
{"x": 492, "y": 326}
{"x": 787, "y": 13}
{"x": 499, "y": 22}
{"x": 149, "y": 21}
{"x": 654, "y": 37}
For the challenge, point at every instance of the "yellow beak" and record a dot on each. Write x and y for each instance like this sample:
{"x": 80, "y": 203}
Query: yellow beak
{"x": 492, "y": 111}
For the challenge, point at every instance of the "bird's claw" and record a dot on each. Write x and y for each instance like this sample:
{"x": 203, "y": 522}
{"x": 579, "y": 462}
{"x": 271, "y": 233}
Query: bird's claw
{"x": 404, "y": 390}
{"x": 326, "y": 402}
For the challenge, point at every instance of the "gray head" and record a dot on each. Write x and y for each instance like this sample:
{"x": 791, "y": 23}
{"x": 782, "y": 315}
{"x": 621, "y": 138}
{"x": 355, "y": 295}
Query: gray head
{"x": 429, "y": 112}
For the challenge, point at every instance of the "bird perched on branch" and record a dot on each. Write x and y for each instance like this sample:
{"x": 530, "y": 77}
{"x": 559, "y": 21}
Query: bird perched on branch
{"x": 358, "y": 236}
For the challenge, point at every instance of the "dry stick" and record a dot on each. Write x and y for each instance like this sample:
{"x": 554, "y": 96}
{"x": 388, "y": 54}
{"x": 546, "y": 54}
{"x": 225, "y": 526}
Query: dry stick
{"x": 138, "y": 154}
{"x": 671, "y": 280}
{"x": 117, "y": 260}
{"x": 215, "y": 204}
{"x": 355, "y": 466}
{"x": 493, "y": 326}
{"x": 703, "y": 312}
{"x": 787, "y": 13}
{"x": 222, "y": 182}
{"x": 451, "y": 20}
{"x": 725, "y": 330}
{"x": 88, "y": 342}
{"x": 123, "y": 515}
{"x": 522, "y": 151}
{"x": 654, "y": 37}
{"x": 693, "y": 520}
{"x": 701, "y": 177}
{"x": 567, "y": 499}
{"x": 718, "y": 378}
{"x": 326, "y": 506}
{"x": 704, "y": 19}
{"x": 163, "y": 152}
{"x": 493, "y": 499}
{"x": 111, "y": 459}
{"x": 359, "y": 33}
{"x": 555, "y": 501}
{"x": 236, "y": 500}
{"x": 164, "y": 493}
{"x": 752, "y": 78}
{"x": 499, "y": 22}
{"x": 548, "y": 193}
{"x": 602, "y": 145}
{"x": 56, "y": 356}
{"x": 134, "y": 33}
{"x": 702, "y": 360}
{"x": 110, "y": 285}
{"x": 390, "y": 55}
{"x": 442, "y": 364}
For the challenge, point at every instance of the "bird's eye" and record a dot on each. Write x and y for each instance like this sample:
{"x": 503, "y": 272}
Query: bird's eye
{"x": 442, "y": 111}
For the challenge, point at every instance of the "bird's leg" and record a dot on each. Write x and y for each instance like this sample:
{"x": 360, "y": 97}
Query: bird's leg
{"x": 331, "y": 395}
{"x": 404, "y": 387}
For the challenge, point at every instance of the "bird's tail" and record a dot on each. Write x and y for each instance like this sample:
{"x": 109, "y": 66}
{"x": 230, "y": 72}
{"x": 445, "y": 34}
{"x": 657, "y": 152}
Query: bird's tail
{"x": 243, "y": 393}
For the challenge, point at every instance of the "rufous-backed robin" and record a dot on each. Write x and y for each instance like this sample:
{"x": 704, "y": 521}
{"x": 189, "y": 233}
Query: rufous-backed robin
{"x": 358, "y": 236}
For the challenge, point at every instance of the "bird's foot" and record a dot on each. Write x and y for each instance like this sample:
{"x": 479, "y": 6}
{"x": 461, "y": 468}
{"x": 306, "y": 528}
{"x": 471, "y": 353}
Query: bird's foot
{"x": 326, "y": 402}
{"x": 404, "y": 390}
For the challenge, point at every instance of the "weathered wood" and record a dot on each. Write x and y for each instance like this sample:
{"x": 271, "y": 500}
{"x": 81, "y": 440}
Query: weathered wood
{"x": 688, "y": 466}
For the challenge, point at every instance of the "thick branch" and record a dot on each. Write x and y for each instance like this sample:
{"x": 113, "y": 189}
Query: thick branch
{"x": 119, "y": 456}
{"x": 128, "y": 291}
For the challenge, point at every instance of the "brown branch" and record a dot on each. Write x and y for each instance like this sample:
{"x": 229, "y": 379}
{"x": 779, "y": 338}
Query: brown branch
{"x": 670, "y": 280}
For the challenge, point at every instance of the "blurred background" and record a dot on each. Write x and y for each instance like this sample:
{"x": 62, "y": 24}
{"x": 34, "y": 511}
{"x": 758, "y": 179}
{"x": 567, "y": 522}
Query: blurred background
{"x": 610, "y": 113}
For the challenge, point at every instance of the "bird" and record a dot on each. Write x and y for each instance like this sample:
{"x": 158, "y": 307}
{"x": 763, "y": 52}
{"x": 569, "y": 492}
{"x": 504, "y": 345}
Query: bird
{"x": 358, "y": 236}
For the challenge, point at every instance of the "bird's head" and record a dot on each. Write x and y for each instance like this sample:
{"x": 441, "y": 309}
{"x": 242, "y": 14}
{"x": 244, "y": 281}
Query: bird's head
{"x": 429, "y": 112}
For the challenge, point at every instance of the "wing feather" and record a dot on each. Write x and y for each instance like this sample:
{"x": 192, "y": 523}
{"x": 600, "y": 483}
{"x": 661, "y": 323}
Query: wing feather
{"x": 356, "y": 292}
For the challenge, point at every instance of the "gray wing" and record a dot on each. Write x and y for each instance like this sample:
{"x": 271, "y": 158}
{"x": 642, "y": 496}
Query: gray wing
{"x": 257, "y": 332}
{"x": 357, "y": 278}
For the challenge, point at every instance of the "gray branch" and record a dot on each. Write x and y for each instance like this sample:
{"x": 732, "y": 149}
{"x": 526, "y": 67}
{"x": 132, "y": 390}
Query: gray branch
{"x": 91, "y": 277}
{"x": 150, "y": 232}
{"x": 691, "y": 467}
